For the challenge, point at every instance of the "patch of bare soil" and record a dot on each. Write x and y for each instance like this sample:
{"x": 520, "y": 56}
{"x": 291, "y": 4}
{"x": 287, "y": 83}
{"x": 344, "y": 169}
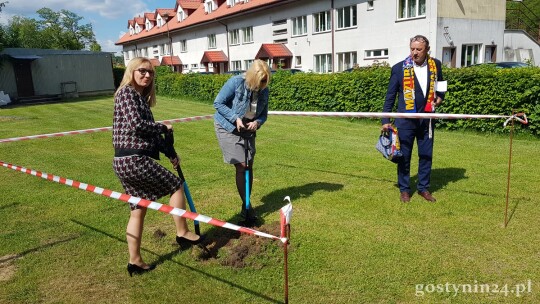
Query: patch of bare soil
{"x": 231, "y": 248}
{"x": 238, "y": 248}
{"x": 7, "y": 267}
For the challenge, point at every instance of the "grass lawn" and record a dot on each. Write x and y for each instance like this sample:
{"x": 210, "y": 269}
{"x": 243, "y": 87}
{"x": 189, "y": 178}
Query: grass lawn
{"x": 352, "y": 241}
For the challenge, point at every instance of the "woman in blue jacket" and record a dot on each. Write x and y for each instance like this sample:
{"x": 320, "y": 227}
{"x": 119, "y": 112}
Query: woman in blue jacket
{"x": 241, "y": 109}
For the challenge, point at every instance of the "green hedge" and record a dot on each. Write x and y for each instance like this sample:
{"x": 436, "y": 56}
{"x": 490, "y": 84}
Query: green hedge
{"x": 470, "y": 91}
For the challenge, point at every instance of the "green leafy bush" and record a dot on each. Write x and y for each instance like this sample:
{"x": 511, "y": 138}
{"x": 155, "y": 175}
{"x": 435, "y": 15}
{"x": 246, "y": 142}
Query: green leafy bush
{"x": 475, "y": 90}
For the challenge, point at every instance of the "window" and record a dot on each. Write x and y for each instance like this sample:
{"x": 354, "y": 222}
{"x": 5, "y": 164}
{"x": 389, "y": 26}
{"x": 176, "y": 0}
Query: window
{"x": 299, "y": 26}
{"x": 280, "y": 32}
{"x": 210, "y": 6}
{"x": 148, "y": 25}
{"x": 167, "y": 48}
{"x": 185, "y": 66}
{"x": 248, "y": 63}
{"x": 156, "y": 50}
{"x": 234, "y": 37}
{"x": 321, "y": 22}
{"x": 231, "y": 3}
{"x": 181, "y": 15}
{"x": 346, "y": 17}
{"x": 279, "y": 22}
{"x": 236, "y": 65}
{"x": 144, "y": 52}
{"x": 469, "y": 54}
{"x": 212, "y": 41}
{"x": 411, "y": 8}
{"x": 248, "y": 34}
{"x": 195, "y": 66}
{"x": 298, "y": 61}
{"x": 376, "y": 53}
{"x": 370, "y": 5}
{"x": 183, "y": 45}
{"x": 282, "y": 41}
{"x": 323, "y": 63}
{"x": 346, "y": 61}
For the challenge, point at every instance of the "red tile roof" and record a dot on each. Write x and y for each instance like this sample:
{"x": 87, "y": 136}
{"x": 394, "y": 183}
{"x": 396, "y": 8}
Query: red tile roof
{"x": 199, "y": 16}
{"x": 154, "y": 61}
{"x": 171, "y": 12}
{"x": 188, "y": 4}
{"x": 171, "y": 60}
{"x": 150, "y": 16}
{"x": 273, "y": 50}
{"x": 214, "y": 56}
{"x": 139, "y": 20}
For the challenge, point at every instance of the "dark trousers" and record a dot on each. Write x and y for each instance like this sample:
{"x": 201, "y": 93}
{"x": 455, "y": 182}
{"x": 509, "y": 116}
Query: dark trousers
{"x": 425, "y": 155}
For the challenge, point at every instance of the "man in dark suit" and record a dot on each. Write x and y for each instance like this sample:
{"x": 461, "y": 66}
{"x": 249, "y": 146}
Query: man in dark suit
{"x": 414, "y": 81}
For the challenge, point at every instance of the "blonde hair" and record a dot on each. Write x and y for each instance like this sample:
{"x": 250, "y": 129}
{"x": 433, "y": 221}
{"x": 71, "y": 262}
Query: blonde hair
{"x": 149, "y": 92}
{"x": 258, "y": 71}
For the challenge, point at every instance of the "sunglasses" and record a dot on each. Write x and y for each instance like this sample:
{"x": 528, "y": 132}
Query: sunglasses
{"x": 145, "y": 71}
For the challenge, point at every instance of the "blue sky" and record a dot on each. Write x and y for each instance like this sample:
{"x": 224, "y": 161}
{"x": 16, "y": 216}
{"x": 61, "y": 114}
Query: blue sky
{"x": 108, "y": 17}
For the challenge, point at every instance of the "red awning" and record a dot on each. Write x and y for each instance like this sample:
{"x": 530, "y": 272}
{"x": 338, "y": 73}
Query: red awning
{"x": 171, "y": 60}
{"x": 154, "y": 61}
{"x": 214, "y": 56}
{"x": 273, "y": 50}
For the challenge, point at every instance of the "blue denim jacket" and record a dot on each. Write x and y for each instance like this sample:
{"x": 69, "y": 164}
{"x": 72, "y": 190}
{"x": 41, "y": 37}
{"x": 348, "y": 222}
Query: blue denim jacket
{"x": 233, "y": 100}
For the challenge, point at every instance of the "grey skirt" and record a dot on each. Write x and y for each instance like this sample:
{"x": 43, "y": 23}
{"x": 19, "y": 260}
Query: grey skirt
{"x": 232, "y": 146}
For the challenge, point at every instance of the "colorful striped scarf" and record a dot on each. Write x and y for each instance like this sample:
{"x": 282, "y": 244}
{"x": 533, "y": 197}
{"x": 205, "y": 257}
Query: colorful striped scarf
{"x": 408, "y": 85}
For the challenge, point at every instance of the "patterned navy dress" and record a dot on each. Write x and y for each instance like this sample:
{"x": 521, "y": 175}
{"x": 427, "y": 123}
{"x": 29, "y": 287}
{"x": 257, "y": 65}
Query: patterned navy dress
{"x": 134, "y": 128}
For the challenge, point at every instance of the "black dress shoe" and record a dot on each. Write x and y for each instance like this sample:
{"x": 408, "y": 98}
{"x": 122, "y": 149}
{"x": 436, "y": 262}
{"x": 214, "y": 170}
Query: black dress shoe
{"x": 134, "y": 269}
{"x": 185, "y": 243}
{"x": 249, "y": 215}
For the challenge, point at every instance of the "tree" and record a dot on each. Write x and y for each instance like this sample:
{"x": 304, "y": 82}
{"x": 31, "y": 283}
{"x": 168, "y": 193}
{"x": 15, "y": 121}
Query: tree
{"x": 2, "y": 4}
{"x": 95, "y": 47}
{"x": 23, "y": 33}
{"x": 64, "y": 30}
{"x": 54, "y": 30}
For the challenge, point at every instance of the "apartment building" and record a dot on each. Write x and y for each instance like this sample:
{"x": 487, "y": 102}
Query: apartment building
{"x": 321, "y": 36}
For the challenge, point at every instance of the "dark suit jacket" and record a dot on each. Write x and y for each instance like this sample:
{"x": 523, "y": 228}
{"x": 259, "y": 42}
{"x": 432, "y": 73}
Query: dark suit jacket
{"x": 395, "y": 87}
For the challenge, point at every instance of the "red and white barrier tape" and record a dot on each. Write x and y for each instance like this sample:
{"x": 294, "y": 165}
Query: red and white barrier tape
{"x": 141, "y": 202}
{"x": 403, "y": 115}
{"x": 521, "y": 117}
{"x": 194, "y": 118}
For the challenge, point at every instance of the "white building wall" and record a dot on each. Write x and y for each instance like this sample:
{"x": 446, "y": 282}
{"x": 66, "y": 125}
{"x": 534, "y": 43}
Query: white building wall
{"x": 518, "y": 46}
{"x": 446, "y": 24}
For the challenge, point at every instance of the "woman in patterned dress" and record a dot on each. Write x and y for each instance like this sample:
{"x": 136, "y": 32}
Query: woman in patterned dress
{"x": 137, "y": 140}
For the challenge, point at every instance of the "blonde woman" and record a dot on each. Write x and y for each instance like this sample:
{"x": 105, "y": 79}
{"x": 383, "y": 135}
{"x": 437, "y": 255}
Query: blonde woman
{"x": 137, "y": 143}
{"x": 241, "y": 109}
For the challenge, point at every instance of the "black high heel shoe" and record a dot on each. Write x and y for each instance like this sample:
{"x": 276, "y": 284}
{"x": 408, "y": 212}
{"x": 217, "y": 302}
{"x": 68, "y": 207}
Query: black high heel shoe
{"x": 185, "y": 243}
{"x": 134, "y": 269}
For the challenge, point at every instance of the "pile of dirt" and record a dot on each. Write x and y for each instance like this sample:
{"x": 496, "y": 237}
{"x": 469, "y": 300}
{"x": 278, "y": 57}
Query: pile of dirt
{"x": 238, "y": 251}
{"x": 232, "y": 248}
